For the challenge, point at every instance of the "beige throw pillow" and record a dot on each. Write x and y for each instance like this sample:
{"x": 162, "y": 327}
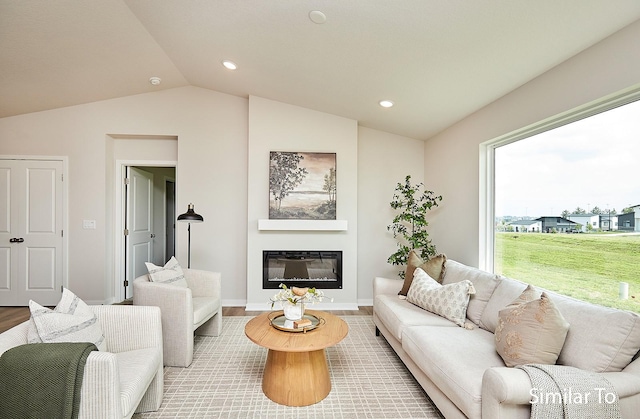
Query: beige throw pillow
{"x": 449, "y": 301}
{"x": 531, "y": 330}
{"x": 434, "y": 267}
{"x": 171, "y": 273}
{"x": 71, "y": 321}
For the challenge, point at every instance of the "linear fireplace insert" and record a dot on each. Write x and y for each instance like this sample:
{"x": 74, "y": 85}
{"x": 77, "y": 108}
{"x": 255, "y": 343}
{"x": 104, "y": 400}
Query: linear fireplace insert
{"x": 302, "y": 268}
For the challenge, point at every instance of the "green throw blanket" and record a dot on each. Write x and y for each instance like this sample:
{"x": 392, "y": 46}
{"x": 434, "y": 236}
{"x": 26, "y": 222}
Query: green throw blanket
{"x": 42, "y": 380}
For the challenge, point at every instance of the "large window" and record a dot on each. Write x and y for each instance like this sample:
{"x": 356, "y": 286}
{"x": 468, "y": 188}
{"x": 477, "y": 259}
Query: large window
{"x": 566, "y": 205}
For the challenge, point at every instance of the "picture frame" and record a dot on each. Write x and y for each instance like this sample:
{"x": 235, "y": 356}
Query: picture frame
{"x": 302, "y": 185}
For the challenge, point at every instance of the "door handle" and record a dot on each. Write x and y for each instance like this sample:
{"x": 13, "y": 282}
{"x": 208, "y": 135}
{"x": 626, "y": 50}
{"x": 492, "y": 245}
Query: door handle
{"x": 16, "y": 240}
{"x": 153, "y": 236}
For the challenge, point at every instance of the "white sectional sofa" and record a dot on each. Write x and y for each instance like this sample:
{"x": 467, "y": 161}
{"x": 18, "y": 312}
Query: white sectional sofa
{"x": 459, "y": 367}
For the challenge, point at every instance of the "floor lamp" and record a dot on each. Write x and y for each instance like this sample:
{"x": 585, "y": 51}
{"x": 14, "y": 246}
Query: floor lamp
{"x": 190, "y": 217}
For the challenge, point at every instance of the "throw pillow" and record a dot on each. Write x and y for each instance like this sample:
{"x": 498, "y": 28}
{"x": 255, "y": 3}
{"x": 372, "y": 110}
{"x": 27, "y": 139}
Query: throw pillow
{"x": 434, "y": 267}
{"x": 71, "y": 321}
{"x": 531, "y": 330}
{"x": 449, "y": 301}
{"x": 171, "y": 273}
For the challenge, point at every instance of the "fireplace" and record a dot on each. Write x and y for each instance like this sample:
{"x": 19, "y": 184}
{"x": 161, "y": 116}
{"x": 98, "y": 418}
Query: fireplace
{"x": 302, "y": 268}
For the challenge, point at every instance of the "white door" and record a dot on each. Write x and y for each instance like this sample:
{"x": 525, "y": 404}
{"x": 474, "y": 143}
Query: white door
{"x": 31, "y": 236}
{"x": 139, "y": 225}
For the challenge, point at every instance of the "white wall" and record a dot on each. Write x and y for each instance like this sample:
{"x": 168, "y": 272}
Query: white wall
{"x": 384, "y": 160}
{"x": 276, "y": 126}
{"x": 452, "y": 157}
{"x": 212, "y": 137}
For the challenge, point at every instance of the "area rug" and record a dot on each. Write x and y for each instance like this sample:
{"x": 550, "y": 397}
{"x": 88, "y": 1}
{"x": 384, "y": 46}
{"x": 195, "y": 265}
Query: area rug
{"x": 225, "y": 380}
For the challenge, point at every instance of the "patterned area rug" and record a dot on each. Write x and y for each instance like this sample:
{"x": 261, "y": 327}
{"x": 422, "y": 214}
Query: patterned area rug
{"x": 225, "y": 380}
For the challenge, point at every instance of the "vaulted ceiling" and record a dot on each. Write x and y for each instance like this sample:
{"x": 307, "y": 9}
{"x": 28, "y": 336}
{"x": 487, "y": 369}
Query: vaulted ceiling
{"x": 437, "y": 60}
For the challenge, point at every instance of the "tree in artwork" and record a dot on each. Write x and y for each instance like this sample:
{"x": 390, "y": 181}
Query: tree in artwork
{"x": 285, "y": 174}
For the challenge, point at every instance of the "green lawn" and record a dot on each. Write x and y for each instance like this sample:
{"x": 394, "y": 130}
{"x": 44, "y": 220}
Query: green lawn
{"x": 585, "y": 266}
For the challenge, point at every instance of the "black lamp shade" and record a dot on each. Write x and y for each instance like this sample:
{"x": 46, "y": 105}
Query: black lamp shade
{"x": 190, "y": 216}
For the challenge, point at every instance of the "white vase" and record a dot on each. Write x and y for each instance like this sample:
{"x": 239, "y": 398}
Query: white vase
{"x": 293, "y": 311}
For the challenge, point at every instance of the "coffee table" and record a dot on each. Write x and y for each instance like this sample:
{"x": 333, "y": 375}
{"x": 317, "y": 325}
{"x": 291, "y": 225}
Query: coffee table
{"x": 296, "y": 371}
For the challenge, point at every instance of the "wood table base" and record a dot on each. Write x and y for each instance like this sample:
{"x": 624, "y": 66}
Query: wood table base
{"x": 296, "y": 378}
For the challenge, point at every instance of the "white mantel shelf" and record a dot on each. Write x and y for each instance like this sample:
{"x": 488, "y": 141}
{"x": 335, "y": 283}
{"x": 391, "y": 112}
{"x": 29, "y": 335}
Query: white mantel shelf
{"x": 302, "y": 225}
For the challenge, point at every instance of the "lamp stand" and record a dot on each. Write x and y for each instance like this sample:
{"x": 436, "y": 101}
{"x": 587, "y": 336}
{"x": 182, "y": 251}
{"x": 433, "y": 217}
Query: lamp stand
{"x": 189, "y": 246}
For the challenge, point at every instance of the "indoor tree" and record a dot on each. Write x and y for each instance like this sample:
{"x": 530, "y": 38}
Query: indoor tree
{"x": 409, "y": 226}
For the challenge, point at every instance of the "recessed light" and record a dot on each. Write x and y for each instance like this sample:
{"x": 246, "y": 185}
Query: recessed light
{"x": 318, "y": 17}
{"x": 386, "y": 103}
{"x": 230, "y": 65}
{"x": 155, "y": 80}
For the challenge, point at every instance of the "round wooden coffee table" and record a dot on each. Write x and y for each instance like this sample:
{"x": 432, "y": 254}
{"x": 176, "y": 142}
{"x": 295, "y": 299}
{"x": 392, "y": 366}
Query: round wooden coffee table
{"x": 296, "y": 372}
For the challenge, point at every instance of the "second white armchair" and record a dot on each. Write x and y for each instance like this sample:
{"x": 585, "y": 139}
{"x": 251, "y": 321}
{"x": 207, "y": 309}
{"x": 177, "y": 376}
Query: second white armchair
{"x": 185, "y": 311}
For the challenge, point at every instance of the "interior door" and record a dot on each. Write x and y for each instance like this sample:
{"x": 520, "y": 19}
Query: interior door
{"x": 139, "y": 225}
{"x": 31, "y": 236}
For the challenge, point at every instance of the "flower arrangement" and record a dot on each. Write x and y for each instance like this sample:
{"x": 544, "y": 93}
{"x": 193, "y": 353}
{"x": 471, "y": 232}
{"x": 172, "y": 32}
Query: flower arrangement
{"x": 295, "y": 295}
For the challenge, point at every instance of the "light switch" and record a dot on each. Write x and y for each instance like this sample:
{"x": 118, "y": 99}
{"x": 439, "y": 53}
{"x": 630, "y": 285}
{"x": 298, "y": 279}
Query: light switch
{"x": 89, "y": 224}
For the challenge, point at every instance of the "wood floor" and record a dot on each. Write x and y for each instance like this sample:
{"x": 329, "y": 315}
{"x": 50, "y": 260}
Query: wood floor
{"x": 11, "y": 316}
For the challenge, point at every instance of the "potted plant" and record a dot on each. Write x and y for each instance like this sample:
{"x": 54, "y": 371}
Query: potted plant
{"x": 409, "y": 227}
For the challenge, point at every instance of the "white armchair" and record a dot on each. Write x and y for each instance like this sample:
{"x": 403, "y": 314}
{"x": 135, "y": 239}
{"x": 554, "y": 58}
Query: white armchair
{"x": 197, "y": 308}
{"x": 125, "y": 379}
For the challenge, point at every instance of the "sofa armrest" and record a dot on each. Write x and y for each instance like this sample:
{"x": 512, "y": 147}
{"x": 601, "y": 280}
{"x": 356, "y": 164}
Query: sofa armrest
{"x": 127, "y": 328}
{"x": 386, "y": 286}
{"x": 204, "y": 283}
{"x": 100, "y": 391}
{"x": 506, "y": 392}
{"x": 13, "y": 337}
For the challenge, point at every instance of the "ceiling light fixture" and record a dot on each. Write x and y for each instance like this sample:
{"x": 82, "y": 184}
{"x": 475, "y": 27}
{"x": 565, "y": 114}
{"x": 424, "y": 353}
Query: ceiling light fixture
{"x": 317, "y": 17}
{"x": 229, "y": 65}
{"x": 155, "y": 81}
{"x": 386, "y": 103}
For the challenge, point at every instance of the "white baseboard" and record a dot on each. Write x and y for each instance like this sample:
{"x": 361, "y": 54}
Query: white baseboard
{"x": 366, "y": 303}
{"x": 234, "y": 303}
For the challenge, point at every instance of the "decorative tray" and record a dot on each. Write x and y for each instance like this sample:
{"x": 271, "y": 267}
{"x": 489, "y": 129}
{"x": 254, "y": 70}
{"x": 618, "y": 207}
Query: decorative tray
{"x": 280, "y": 322}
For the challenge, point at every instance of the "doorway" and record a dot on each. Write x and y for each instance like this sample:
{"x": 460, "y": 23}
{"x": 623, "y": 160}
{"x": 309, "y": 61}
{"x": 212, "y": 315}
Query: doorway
{"x": 147, "y": 230}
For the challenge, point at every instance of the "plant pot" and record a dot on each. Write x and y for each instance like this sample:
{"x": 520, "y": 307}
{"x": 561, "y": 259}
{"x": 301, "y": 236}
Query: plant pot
{"x": 293, "y": 311}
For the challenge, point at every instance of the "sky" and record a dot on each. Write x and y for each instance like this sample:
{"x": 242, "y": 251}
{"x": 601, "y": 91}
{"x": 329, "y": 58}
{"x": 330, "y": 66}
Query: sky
{"x": 592, "y": 162}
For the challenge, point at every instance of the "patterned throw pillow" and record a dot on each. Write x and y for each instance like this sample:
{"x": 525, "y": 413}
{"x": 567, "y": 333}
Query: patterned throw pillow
{"x": 530, "y": 330}
{"x": 434, "y": 267}
{"x": 171, "y": 273}
{"x": 449, "y": 301}
{"x": 71, "y": 321}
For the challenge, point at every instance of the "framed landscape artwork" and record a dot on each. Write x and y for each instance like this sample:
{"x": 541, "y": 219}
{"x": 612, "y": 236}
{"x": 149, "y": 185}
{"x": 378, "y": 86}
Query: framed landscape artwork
{"x": 302, "y": 186}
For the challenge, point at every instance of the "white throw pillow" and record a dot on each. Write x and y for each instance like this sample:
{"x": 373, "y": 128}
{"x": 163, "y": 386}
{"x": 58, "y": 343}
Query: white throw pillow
{"x": 449, "y": 301}
{"x": 171, "y": 273}
{"x": 71, "y": 321}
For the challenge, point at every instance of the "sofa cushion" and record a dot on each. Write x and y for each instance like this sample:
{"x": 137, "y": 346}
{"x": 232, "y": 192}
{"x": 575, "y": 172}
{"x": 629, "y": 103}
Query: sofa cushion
{"x": 397, "y": 314}
{"x": 434, "y": 267}
{"x": 71, "y": 321}
{"x": 505, "y": 293}
{"x": 171, "y": 273}
{"x": 455, "y": 359}
{"x": 530, "y": 330}
{"x": 449, "y": 301}
{"x": 599, "y": 338}
{"x": 483, "y": 282}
